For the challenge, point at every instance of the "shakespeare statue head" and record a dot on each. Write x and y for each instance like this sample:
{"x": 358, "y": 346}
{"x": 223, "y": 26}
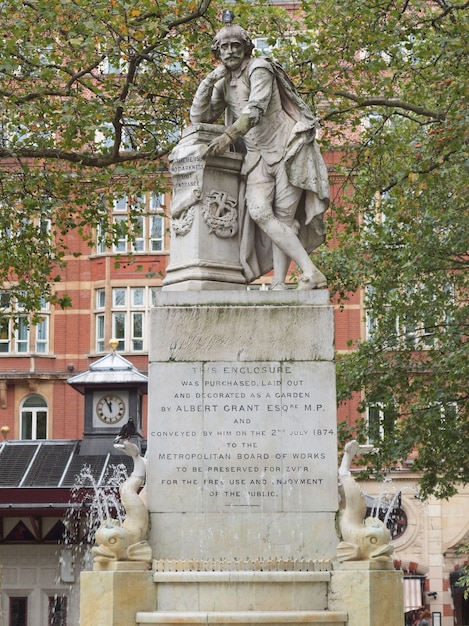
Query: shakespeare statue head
{"x": 232, "y": 31}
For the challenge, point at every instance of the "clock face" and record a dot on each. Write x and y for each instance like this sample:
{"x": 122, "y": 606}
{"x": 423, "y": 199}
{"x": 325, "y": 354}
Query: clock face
{"x": 110, "y": 408}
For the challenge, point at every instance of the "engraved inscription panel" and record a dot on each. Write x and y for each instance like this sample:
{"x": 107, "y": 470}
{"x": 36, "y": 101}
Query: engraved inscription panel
{"x": 258, "y": 436}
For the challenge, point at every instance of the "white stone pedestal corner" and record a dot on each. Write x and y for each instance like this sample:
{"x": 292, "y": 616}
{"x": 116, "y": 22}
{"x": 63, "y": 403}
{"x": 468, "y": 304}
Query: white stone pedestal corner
{"x": 372, "y": 594}
{"x": 112, "y": 595}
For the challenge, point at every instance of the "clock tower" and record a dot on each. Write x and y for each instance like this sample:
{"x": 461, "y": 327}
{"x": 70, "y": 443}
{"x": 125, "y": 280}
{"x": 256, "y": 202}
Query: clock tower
{"x": 113, "y": 390}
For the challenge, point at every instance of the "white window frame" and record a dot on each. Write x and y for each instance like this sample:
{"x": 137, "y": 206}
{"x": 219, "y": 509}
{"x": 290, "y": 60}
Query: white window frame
{"x": 35, "y": 411}
{"x": 120, "y": 246}
{"x": 100, "y": 332}
{"x": 42, "y": 335}
{"x": 136, "y": 338}
{"x": 126, "y": 319}
{"x": 415, "y": 337}
{"x": 149, "y": 226}
{"x": 138, "y": 245}
{"x": 18, "y": 336}
{"x": 119, "y": 328}
{"x": 100, "y": 307}
{"x": 156, "y": 242}
{"x": 380, "y": 408}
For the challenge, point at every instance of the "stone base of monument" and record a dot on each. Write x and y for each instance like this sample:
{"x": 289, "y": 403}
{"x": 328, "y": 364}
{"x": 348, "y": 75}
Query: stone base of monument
{"x": 244, "y": 597}
{"x": 242, "y": 485}
{"x": 112, "y": 596}
{"x": 242, "y": 434}
{"x": 361, "y": 594}
{"x": 372, "y": 593}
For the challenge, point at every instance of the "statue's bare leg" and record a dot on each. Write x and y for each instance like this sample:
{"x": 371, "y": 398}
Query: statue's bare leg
{"x": 281, "y": 264}
{"x": 284, "y": 237}
{"x": 272, "y": 203}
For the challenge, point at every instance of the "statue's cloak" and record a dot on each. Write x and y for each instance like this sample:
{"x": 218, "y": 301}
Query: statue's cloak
{"x": 305, "y": 169}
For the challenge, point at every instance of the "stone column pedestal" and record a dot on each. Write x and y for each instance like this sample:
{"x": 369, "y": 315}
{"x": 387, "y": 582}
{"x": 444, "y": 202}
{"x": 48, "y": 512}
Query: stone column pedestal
{"x": 113, "y": 596}
{"x": 204, "y": 215}
{"x": 371, "y": 593}
{"x": 242, "y": 445}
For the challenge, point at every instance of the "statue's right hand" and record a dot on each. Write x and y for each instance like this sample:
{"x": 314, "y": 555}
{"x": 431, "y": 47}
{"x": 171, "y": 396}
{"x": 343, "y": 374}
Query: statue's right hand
{"x": 218, "y": 146}
{"x": 218, "y": 73}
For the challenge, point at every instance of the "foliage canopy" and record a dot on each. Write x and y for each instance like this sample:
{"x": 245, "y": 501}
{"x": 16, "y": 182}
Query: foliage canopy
{"x": 94, "y": 92}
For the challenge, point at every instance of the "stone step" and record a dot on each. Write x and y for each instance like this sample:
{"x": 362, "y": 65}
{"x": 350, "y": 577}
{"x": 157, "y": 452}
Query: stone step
{"x": 222, "y": 618}
{"x": 222, "y": 591}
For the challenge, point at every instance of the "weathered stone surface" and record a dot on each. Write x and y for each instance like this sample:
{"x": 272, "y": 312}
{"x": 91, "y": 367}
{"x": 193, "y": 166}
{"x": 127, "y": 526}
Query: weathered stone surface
{"x": 205, "y": 216}
{"x": 371, "y": 596}
{"x": 112, "y": 598}
{"x": 247, "y": 326}
{"x": 241, "y": 444}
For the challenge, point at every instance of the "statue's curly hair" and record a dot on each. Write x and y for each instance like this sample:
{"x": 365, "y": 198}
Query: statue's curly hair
{"x": 232, "y": 31}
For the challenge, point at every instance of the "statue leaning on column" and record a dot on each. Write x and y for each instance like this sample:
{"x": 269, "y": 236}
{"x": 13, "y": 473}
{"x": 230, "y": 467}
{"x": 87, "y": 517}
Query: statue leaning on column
{"x": 286, "y": 187}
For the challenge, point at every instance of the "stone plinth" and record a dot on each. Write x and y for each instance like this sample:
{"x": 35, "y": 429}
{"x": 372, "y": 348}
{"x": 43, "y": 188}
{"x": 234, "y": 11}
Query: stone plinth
{"x": 113, "y": 597}
{"x": 228, "y": 591}
{"x": 371, "y": 593}
{"x": 242, "y": 442}
{"x": 248, "y": 618}
{"x": 205, "y": 216}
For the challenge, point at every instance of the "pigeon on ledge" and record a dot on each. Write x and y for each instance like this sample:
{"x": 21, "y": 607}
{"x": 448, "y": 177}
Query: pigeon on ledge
{"x": 127, "y": 431}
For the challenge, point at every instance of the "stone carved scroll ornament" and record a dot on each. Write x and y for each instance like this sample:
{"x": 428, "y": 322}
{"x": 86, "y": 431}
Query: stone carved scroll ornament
{"x": 127, "y": 541}
{"x": 362, "y": 539}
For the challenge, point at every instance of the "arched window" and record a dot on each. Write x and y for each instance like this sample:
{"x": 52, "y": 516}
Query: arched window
{"x": 34, "y": 418}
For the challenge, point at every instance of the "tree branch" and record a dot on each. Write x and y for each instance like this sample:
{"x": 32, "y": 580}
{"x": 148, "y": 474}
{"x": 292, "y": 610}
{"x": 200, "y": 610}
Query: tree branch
{"x": 427, "y": 170}
{"x": 391, "y": 103}
{"x": 87, "y": 160}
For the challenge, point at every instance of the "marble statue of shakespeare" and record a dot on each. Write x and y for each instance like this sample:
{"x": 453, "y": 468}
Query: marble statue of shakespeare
{"x": 284, "y": 178}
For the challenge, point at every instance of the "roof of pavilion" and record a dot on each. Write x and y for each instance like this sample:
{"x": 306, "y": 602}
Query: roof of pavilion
{"x": 39, "y": 476}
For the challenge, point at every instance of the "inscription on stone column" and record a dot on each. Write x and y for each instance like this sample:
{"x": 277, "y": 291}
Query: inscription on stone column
{"x": 185, "y": 169}
{"x": 245, "y": 436}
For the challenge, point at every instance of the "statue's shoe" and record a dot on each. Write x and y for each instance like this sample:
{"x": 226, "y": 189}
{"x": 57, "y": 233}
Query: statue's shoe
{"x": 278, "y": 287}
{"x": 316, "y": 280}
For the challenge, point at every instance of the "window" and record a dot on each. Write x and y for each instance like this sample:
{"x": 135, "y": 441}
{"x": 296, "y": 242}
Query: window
{"x": 17, "y": 334}
{"x": 127, "y": 320}
{"x": 34, "y": 414}
{"x": 156, "y": 233}
{"x": 127, "y": 326}
{"x": 381, "y": 420}
{"x": 408, "y": 329}
{"x": 15, "y": 227}
{"x": 57, "y": 611}
{"x": 18, "y": 612}
{"x": 4, "y": 334}
{"x": 100, "y": 317}
{"x": 120, "y": 244}
{"x": 114, "y": 65}
{"x": 140, "y": 215}
{"x": 139, "y": 234}
{"x": 22, "y": 334}
{"x": 262, "y": 46}
{"x": 42, "y": 336}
